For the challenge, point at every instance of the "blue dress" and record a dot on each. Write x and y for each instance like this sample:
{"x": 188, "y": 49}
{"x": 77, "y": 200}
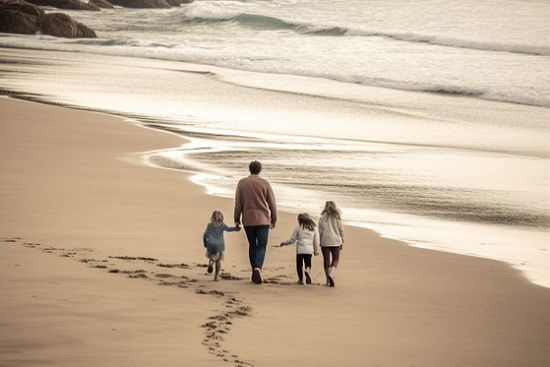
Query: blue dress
{"x": 213, "y": 240}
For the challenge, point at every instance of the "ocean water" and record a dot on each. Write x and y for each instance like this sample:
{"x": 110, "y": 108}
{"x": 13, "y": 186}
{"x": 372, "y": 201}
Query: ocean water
{"x": 426, "y": 121}
{"x": 496, "y": 49}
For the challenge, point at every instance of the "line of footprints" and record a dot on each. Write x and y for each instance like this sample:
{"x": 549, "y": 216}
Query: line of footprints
{"x": 216, "y": 326}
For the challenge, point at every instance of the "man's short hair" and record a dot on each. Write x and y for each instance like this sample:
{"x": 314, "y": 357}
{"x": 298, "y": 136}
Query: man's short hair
{"x": 255, "y": 167}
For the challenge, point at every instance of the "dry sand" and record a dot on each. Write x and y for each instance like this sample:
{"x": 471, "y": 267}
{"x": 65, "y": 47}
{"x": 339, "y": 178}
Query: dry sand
{"x": 74, "y": 195}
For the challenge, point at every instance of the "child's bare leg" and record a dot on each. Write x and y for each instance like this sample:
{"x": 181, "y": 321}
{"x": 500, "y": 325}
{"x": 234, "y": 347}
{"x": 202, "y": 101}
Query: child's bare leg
{"x": 326, "y": 262}
{"x": 330, "y": 276}
{"x": 335, "y": 251}
{"x": 218, "y": 268}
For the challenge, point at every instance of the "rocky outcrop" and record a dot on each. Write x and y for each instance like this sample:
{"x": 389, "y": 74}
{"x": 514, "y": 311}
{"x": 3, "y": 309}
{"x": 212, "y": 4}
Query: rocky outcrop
{"x": 62, "y": 25}
{"x": 101, "y": 4}
{"x": 141, "y": 3}
{"x": 17, "y": 16}
{"x": 65, "y": 4}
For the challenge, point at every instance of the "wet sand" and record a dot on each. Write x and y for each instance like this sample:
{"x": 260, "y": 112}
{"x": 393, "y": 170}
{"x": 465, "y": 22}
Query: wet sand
{"x": 102, "y": 263}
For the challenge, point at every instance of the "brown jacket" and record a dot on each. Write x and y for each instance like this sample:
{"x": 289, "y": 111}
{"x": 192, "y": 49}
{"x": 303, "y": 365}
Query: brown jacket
{"x": 254, "y": 200}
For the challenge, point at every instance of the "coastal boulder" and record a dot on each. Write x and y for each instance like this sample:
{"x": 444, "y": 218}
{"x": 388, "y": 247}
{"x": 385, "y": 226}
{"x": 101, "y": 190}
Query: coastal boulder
{"x": 141, "y": 3}
{"x": 65, "y": 4}
{"x": 19, "y": 17}
{"x": 22, "y": 6}
{"x": 101, "y": 4}
{"x": 85, "y": 31}
{"x": 62, "y": 25}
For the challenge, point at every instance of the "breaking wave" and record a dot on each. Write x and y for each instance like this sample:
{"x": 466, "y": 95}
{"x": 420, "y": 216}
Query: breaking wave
{"x": 262, "y": 22}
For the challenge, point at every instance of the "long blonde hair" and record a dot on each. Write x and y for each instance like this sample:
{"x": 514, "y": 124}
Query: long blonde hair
{"x": 216, "y": 218}
{"x": 331, "y": 210}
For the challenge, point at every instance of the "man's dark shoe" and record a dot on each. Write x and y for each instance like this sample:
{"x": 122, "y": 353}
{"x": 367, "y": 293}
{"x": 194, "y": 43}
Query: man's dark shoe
{"x": 257, "y": 276}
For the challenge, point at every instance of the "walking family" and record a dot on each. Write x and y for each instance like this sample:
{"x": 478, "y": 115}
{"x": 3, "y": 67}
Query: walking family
{"x": 256, "y": 210}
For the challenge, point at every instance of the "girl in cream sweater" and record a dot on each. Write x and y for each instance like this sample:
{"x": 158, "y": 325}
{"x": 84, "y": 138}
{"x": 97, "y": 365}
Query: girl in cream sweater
{"x": 332, "y": 239}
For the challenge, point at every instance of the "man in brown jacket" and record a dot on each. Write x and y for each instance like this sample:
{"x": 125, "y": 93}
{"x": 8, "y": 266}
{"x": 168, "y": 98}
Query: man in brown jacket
{"x": 255, "y": 202}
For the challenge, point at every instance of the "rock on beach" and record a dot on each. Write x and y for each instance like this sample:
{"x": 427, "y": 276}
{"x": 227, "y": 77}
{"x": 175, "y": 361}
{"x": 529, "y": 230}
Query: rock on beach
{"x": 17, "y": 16}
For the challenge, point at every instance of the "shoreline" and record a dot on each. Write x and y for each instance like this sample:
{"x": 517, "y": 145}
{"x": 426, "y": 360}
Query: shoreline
{"x": 533, "y": 270}
{"x": 145, "y": 160}
{"x": 418, "y": 306}
{"x": 491, "y": 229}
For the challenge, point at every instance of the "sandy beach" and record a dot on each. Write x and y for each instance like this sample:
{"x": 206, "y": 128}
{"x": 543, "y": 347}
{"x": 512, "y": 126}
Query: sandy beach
{"x": 102, "y": 264}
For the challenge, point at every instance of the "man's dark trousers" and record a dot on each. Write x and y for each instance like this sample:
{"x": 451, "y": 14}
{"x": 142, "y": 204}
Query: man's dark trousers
{"x": 257, "y": 243}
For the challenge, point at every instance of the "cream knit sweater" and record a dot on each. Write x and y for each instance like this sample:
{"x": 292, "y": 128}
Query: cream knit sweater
{"x": 330, "y": 231}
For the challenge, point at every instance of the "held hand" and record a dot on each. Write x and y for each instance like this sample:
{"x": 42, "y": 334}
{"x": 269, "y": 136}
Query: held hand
{"x": 316, "y": 254}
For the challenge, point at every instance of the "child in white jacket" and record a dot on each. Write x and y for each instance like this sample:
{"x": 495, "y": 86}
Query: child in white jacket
{"x": 306, "y": 237}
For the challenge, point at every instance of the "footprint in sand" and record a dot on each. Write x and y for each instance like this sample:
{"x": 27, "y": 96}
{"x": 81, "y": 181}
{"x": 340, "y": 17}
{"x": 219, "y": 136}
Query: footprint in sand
{"x": 180, "y": 266}
{"x": 229, "y": 276}
{"x": 31, "y": 244}
{"x": 142, "y": 258}
{"x": 137, "y": 276}
{"x": 11, "y": 240}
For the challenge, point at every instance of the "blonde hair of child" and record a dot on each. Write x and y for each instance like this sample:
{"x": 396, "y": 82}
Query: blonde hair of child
{"x": 216, "y": 218}
{"x": 331, "y": 210}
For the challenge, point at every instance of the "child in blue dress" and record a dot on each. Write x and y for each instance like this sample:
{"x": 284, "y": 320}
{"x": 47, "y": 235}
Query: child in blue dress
{"x": 214, "y": 242}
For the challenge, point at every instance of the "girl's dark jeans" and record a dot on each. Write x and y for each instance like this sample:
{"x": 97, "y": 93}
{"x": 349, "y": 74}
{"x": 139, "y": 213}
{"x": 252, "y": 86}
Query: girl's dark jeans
{"x": 301, "y": 260}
